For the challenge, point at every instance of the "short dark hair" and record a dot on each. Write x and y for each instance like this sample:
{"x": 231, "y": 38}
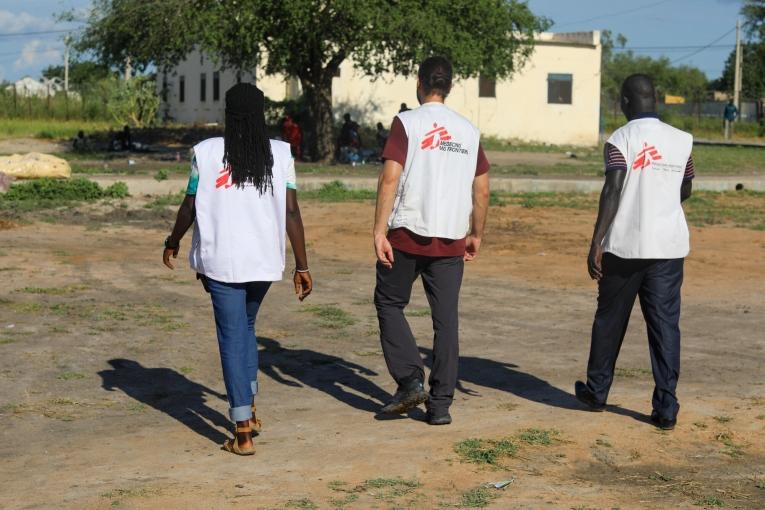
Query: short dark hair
{"x": 435, "y": 76}
{"x": 639, "y": 87}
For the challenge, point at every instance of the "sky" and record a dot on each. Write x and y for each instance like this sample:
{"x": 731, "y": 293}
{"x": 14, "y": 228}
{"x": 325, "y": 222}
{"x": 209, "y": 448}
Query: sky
{"x": 672, "y": 28}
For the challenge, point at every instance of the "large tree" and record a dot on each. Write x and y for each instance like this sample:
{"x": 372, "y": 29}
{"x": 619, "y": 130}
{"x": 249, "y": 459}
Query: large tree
{"x": 310, "y": 39}
{"x": 753, "y": 75}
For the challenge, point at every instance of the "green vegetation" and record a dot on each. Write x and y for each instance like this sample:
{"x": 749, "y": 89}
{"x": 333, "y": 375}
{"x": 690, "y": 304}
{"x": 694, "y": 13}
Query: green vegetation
{"x": 49, "y": 193}
{"x": 162, "y": 201}
{"x": 732, "y": 449}
{"x": 723, "y": 419}
{"x": 419, "y": 312}
{"x": 389, "y": 488}
{"x": 302, "y": 504}
{"x": 632, "y": 372}
{"x": 485, "y": 451}
{"x": 336, "y": 191}
{"x": 331, "y": 316}
{"x": 47, "y": 128}
{"x": 543, "y": 437}
{"x": 161, "y": 175}
{"x": 739, "y": 208}
{"x": 709, "y": 501}
{"x": 478, "y": 497}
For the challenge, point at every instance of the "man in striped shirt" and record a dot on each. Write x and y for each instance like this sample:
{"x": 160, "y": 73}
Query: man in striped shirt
{"x": 638, "y": 247}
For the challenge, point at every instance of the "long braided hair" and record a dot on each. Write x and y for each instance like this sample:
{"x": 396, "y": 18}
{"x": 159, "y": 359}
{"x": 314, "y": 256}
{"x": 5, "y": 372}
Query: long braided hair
{"x": 246, "y": 146}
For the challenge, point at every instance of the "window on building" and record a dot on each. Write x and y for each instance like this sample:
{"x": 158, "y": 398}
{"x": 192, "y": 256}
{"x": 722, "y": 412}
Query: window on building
{"x": 182, "y": 89}
{"x": 487, "y": 87}
{"x": 559, "y": 88}
{"x": 216, "y": 86}
{"x": 203, "y": 87}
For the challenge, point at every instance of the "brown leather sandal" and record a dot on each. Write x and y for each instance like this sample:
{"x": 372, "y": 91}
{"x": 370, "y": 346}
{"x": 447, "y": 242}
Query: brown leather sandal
{"x": 232, "y": 445}
{"x": 255, "y": 423}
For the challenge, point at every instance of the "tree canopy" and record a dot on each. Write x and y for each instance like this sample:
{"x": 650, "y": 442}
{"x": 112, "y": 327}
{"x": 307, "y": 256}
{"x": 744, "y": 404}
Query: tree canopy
{"x": 687, "y": 81}
{"x": 309, "y": 39}
{"x": 753, "y": 75}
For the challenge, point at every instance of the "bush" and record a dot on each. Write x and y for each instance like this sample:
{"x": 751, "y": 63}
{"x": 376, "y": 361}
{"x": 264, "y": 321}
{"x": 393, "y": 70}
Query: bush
{"x": 43, "y": 193}
{"x": 77, "y": 189}
{"x": 117, "y": 190}
{"x": 161, "y": 175}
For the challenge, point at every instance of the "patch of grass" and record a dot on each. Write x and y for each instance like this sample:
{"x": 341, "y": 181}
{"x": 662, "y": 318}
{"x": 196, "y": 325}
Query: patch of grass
{"x": 6, "y": 341}
{"x": 740, "y": 208}
{"x": 389, "y": 488}
{"x": 660, "y": 477}
{"x": 496, "y": 200}
{"x": 48, "y": 128}
{"x": 53, "y": 291}
{"x": 185, "y": 370}
{"x": 632, "y": 372}
{"x": 162, "y": 201}
{"x": 302, "y": 504}
{"x": 543, "y": 437}
{"x": 70, "y": 376}
{"x": 161, "y": 175}
{"x": 507, "y": 406}
{"x": 723, "y": 419}
{"x": 337, "y": 485}
{"x": 478, "y": 498}
{"x": 485, "y": 451}
{"x": 51, "y": 193}
{"x": 331, "y": 316}
{"x": 604, "y": 443}
{"x": 418, "y": 312}
{"x": 700, "y": 424}
{"x": 732, "y": 449}
{"x": 336, "y": 191}
{"x": 760, "y": 417}
{"x": 340, "y": 503}
{"x": 709, "y": 501}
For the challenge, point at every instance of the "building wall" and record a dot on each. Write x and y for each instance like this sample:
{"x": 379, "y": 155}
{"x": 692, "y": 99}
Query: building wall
{"x": 519, "y": 110}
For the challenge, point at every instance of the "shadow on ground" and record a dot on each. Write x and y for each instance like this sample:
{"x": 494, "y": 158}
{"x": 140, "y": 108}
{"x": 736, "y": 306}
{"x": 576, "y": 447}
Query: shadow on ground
{"x": 324, "y": 372}
{"x": 170, "y": 392}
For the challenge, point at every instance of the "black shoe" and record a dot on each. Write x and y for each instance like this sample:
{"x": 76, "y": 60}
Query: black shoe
{"x": 439, "y": 418}
{"x": 662, "y": 423}
{"x": 585, "y": 396}
{"x": 407, "y": 397}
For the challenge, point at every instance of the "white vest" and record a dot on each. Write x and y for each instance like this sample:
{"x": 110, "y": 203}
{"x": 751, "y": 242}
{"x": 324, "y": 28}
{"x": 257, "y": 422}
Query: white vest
{"x": 435, "y": 191}
{"x": 239, "y": 234}
{"x": 650, "y": 223}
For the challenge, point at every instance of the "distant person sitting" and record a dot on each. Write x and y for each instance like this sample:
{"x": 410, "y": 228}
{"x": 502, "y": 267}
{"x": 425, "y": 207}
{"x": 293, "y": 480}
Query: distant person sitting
{"x": 293, "y": 135}
{"x": 121, "y": 141}
{"x": 81, "y": 143}
{"x": 730, "y": 114}
{"x": 349, "y": 140}
{"x": 404, "y": 108}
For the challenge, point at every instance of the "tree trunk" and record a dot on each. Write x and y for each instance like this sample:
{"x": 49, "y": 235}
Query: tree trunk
{"x": 318, "y": 95}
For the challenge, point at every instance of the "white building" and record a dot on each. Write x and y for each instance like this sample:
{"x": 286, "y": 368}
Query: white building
{"x": 29, "y": 87}
{"x": 554, "y": 99}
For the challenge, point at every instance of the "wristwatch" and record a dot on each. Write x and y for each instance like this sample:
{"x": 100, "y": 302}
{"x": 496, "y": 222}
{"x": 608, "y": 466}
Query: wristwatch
{"x": 170, "y": 246}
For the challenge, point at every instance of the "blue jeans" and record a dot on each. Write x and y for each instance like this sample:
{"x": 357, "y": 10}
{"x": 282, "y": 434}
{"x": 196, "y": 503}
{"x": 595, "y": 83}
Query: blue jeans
{"x": 236, "y": 306}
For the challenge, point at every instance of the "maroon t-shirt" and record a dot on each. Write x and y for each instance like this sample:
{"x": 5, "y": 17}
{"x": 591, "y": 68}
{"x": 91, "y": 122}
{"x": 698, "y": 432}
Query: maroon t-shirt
{"x": 406, "y": 240}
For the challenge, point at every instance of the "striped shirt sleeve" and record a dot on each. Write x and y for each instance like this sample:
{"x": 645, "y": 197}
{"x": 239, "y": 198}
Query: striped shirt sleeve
{"x": 690, "y": 169}
{"x": 614, "y": 159}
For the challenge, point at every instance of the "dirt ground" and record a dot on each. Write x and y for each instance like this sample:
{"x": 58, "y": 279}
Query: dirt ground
{"x": 112, "y": 396}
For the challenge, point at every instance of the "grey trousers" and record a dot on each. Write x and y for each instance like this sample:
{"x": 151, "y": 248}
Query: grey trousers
{"x": 442, "y": 279}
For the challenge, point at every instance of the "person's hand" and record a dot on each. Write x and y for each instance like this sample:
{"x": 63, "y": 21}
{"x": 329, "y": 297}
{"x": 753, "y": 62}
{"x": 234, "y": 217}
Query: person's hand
{"x": 167, "y": 254}
{"x": 472, "y": 246}
{"x": 384, "y": 250}
{"x": 303, "y": 284}
{"x": 595, "y": 261}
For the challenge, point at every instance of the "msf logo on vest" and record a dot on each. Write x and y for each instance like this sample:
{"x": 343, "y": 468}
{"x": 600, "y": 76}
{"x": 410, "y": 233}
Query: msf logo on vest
{"x": 645, "y": 157}
{"x": 224, "y": 179}
{"x": 434, "y": 137}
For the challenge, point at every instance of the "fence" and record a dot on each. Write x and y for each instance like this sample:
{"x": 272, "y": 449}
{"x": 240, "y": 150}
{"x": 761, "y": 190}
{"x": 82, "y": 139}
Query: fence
{"x": 86, "y": 104}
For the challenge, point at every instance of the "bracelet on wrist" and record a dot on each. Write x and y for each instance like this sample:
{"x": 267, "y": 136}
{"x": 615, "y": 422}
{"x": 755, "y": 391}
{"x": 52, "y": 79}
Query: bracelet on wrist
{"x": 301, "y": 270}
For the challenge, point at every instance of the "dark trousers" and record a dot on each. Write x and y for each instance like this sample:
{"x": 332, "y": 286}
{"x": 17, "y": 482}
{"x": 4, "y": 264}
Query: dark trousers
{"x": 657, "y": 283}
{"x": 442, "y": 278}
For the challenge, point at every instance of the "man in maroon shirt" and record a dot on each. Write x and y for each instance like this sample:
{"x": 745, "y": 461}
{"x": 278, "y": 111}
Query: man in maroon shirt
{"x": 403, "y": 255}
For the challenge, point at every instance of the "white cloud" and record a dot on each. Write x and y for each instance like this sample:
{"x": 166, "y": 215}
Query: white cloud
{"x": 15, "y": 22}
{"x": 37, "y": 52}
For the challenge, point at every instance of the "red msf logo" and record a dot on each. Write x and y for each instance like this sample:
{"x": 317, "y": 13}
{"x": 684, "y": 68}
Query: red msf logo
{"x": 224, "y": 179}
{"x": 434, "y": 137}
{"x": 645, "y": 157}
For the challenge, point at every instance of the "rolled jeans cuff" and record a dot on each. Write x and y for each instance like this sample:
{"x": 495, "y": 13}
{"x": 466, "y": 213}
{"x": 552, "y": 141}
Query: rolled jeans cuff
{"x": 241, "y": 413}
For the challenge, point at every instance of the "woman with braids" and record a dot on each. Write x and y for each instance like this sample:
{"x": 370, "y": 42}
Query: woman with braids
{"x": 241, "y": 198}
